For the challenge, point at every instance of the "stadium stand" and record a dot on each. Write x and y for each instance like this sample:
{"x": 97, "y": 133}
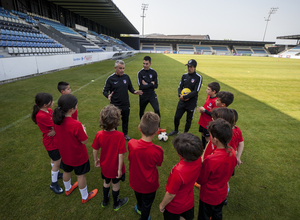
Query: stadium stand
{"x": 185, "y": 48}
{"x": 20, "y": 38}
{"x": 291, "y": 52}
{"x": 28, "y": 34}
{"x": 258, "y": 50}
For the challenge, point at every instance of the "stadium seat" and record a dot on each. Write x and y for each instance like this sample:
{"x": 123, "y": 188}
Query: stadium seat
{"x": 3, "y": 43}
{"x": 3, "y": 37}
{"x": 10, "y": 50}
{"x": 15, "y": 50}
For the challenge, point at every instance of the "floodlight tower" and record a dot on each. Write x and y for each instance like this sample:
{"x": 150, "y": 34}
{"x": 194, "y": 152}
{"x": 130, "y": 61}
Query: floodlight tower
{"x": 272, "y": 11}
{"x": 144, "y": 8}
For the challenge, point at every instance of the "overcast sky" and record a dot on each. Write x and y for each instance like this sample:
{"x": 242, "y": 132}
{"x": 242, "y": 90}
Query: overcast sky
{"x": 231, "y": 19}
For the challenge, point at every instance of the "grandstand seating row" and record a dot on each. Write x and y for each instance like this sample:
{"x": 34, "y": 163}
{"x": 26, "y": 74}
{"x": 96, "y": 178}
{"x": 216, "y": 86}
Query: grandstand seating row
{"x": 4, "y": 43}
{"x": 29, "y": 39}
{"x": 36, "y": 51}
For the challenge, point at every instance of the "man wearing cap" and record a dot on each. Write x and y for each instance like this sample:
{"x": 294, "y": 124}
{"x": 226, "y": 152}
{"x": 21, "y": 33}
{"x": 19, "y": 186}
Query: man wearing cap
{"x": 187, "y": 103}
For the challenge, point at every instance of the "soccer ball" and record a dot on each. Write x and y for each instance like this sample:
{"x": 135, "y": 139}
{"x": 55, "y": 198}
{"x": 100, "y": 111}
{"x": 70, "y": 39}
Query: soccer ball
{"x": 185, "y": 91}
{"x": 163, "y": 136}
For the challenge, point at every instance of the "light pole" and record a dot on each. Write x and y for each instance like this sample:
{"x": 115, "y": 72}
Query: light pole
{"x": 272, "y": 11}
{"x": 144, "y": 8}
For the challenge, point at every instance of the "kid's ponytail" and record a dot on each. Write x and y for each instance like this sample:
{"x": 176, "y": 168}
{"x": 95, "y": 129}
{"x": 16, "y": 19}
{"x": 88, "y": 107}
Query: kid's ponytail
{"x": 65, "y": 103}
{"x": 41, "y": 99}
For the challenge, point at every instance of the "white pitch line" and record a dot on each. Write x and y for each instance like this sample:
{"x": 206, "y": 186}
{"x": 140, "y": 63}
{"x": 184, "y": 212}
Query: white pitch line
{"x": 27, "y": 116}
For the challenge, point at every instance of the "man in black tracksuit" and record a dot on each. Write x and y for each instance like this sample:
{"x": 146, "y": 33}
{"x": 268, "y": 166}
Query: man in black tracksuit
{"x": 187, "y": 103}
{"x": 148, "y": 81}
{"x": 118, "y": 85}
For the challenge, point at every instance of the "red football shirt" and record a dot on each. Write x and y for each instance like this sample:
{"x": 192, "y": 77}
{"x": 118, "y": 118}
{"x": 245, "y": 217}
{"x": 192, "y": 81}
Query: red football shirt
{"x": 181, "y": 182}
{"x": 237, "y": 137}
{"x": 210, "y": 147}
{"x": 209, "y": 105}
{"x": 215, "y": 174}
{"x": 74, "y": 115}
{"x": 69, "y": 136}
{"x": 45, "y": 123}
{"x": 112, "y": 143}
{"x": 143, "y": 158}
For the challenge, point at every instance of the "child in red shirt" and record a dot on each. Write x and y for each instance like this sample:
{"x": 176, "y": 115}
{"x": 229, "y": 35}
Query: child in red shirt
{"x": 113, "y": 149}
{"x": 224, "y": 99}
{"x": 42, "y": 116}
{"x": 64, "y": 88}
{"x": 178, "y": 201}
{"x": 144, "y": 157}
{"x": 212, "y": 90}
{"x": 71, "y": 140}
{"x": 239, "y": 141}
{"x": 226, "y": 114}
{"x": 216, "y": 171}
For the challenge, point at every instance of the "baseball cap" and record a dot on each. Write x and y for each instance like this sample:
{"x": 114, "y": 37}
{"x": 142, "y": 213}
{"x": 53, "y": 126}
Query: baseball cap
{"x": 192, "y": 63}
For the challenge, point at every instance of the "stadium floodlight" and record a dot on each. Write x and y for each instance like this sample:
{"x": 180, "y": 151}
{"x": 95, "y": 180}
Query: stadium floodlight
{"x": 272, "y": 11}
{"x": 144, "y": 8}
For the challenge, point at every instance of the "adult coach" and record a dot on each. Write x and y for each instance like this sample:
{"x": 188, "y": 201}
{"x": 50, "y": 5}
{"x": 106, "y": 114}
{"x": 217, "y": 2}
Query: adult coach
{"x": 116, "y": 90}
{"x": 148, "y": 82}
{"x": 187, "y": 103}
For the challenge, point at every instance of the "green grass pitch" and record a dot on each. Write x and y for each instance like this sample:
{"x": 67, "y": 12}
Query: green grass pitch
{"x": 267, "y": 98}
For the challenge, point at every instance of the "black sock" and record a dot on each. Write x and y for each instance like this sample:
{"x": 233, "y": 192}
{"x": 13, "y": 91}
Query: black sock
{"x": 116, "y": 197}
{"x": 105, "y": 194}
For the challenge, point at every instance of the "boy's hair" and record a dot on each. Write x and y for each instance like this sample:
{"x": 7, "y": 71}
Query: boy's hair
{"x": 214, "y": 86}
{"x": 109, "y": 117}
{"x": 62, "y": 85}
{"x": 236, "y": 115}
{"x": 188, "y": 146}
{"x": 225, "y": 97}
{"x": 41, "y": 99}
{"x": 221, "y": 130}
{"x": 149, "y": 123}
{"x": 65, "y": 103}
{"x": 147, "y": 58}
{"x": 224, "y": 113}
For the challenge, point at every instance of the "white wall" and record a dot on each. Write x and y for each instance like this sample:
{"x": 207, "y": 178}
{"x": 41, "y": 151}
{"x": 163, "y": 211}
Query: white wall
{"x": 15, "y": 67}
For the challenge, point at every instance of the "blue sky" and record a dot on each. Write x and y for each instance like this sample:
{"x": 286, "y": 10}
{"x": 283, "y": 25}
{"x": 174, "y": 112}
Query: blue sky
{"x": 231, "y": 19}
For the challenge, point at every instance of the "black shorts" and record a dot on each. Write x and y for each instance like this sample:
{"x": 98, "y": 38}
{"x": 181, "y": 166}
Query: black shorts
{"x": 79, "y": 170}
{"x": 204, "y": 131}
{"x": 114, "y": 180}
{"x": 188, "y": 215}
{"x": 54, "y": 154}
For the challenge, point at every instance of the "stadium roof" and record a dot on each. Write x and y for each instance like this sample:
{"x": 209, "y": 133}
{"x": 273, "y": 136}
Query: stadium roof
{"x": 290, "y": 37}
{"x": 178, "y": 37}
{"x": 103, "y": 12}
